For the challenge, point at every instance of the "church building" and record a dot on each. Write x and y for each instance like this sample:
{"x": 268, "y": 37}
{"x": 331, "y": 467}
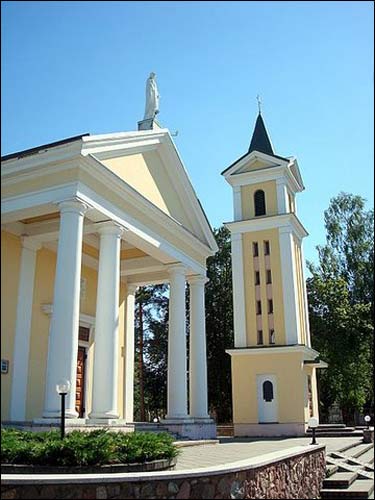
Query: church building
{"x": 273, "y": 365}
{"x": 85, "y": 221}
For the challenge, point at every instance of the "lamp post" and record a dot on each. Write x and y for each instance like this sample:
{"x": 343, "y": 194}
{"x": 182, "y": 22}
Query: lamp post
{"x": 313, "y": 424}
{"x": 62, "y": 388}
{"x": 368, "y": 420}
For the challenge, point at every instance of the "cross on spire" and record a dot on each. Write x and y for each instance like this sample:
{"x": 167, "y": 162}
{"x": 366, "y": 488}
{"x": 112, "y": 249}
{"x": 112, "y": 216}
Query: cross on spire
{"x": 259, "y": 104}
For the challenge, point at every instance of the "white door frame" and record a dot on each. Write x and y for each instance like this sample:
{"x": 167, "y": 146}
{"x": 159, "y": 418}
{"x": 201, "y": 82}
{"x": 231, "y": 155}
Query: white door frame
{"x": 267, "y": 414}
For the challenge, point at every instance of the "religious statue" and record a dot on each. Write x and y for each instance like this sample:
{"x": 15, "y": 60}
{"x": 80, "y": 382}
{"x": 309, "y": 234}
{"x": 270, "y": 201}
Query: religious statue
{"x": 152, "y": 98}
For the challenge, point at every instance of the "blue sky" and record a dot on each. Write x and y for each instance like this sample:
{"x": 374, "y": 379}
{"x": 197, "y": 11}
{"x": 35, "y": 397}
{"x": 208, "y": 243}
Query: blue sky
{"x": 76, "y": 67}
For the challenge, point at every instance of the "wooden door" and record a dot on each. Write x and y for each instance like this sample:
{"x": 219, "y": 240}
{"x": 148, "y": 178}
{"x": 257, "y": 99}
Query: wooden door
{"x": 80, "y": 386}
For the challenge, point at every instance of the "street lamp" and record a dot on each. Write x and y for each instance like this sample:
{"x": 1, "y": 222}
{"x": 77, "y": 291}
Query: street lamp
{"x": 368, "y": 420}
{"x": 313, "y": 424}
{"x": 62, "y": 388}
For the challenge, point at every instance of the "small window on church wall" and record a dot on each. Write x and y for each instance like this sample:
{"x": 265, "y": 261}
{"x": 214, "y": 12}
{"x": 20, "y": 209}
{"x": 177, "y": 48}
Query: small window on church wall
{"x": 259, "y": 307}
{"x": 266, "y": 247}
{"x": 260, "y": 337}
{"x": 272, "y": 336}
{"x": 268, "y": 276}
{"x": 255, "y": 249}
{"x": 257, "y": 277}
{"x": 267, "y": 391}
{"x": 259, "y": 203}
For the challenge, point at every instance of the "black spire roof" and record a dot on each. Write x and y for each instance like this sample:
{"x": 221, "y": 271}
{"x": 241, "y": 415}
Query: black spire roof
{"x": 260, "y": 140}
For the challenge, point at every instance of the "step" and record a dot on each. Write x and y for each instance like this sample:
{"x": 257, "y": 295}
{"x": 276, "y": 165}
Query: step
{"x": 331, "y": 469}
{"x": 340, "y": 480}
{"x": 359, "y": 489}
{"x": 361, "y": 450}
{"x": 333, "y": 428}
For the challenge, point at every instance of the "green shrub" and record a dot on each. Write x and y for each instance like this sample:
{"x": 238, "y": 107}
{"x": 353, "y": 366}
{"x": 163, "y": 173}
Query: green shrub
{"x": 84, "y": 448}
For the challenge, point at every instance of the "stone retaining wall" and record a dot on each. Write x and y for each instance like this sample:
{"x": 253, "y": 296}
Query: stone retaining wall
{"x": 297, "y": 474}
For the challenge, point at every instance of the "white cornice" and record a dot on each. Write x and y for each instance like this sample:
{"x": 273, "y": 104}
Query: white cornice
{"x": 308, "y": 353}
{"x": 100, "y": 172}
{"x": 287, "y": 222}
{"x": 276, "y": 173}
{"x": 254, "y": 155}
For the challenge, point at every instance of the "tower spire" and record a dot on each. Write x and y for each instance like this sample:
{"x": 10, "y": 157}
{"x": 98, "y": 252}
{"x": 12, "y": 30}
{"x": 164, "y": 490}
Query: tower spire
{"x": 260, "y": 140}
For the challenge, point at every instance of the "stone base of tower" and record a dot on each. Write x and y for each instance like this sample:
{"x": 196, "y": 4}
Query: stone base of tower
{"x": 274, "y": 390}
{"x": 270, "y": 430}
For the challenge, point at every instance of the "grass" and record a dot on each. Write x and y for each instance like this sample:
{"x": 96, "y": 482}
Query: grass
{"x": 78, "y": 448}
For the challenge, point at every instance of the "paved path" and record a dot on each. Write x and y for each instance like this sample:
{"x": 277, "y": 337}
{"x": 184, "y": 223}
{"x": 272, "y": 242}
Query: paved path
{"x": 234, "y": 449}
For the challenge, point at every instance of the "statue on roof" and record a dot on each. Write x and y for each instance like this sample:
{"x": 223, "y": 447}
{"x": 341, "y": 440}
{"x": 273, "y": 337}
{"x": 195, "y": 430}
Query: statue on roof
{"x": 152, "y": 98}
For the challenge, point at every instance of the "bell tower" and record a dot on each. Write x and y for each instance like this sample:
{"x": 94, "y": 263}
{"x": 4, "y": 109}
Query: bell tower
{"x": 273, "y": 364}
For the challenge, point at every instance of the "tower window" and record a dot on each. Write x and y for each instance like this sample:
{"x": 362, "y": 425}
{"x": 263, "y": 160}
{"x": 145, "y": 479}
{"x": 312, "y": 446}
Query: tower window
{"x": 259, "y": 203}
{"x": 260, "y": 337}
{"x": 267, "y": 391}
{"x": 255, "y": 249}
{"x": 272, "y": 336}
{"x": 266, "y": 247}
{"x": 268, "y": 276}
{"x": 259, "y": 307}
{"x": 270, "y": 306}
{"x": 257, "y": 277}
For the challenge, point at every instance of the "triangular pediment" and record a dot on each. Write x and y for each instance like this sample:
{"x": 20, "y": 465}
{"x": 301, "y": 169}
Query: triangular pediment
{"x": 254, "y": 161}
{"x": 152, "y": 167}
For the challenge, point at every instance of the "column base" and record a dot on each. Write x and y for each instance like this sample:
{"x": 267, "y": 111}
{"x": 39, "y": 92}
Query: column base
{"x": 69, "y": 413}
{"x": 108, "y": 415}
{"x": 191, "y": 428}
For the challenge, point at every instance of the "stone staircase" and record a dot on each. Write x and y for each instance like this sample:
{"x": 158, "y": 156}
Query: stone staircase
{"x": 350, "y": 473}
{"x": 336, "y": 430}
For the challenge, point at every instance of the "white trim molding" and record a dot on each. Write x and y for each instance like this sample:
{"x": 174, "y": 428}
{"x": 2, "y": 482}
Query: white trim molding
{"x": 289, "y": 222}
{"x": 239, "y": 312}
{"x": 308, "y": 353}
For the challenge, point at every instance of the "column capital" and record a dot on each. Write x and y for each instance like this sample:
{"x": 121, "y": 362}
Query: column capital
{"x": 110, "y": 227}
{"x": 197, "y": 279}
{"x": 73, "y": 205}
{"x": 131, "y": 288}
{"x": 30, "y": 243}
{"x": 236, "y": 236}
{"x": 177, "y": 268}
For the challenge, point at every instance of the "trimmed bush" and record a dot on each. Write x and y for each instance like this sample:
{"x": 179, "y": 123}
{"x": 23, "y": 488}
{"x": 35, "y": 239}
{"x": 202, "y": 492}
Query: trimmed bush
{"x": 99, "y": 447}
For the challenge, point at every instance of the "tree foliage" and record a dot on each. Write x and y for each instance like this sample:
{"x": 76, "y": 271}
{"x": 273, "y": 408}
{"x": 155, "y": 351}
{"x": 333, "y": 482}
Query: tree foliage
{"x": 341, "y": 299}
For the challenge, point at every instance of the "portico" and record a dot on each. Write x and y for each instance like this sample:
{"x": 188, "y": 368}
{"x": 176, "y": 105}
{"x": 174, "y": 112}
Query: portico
{"x": 105, "y": 215}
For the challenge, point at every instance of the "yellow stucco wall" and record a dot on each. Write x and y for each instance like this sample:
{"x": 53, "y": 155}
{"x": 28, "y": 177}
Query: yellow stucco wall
{"x": 43, "y": 294}
{"x": 10, "y": 261}
{"x": 271, "y": 235}
{"x": 146, "y": 174}
{"x": 287, "y": 368}
{"x": 247, "y": 198}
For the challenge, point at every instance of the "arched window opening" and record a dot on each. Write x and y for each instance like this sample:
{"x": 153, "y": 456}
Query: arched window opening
{"x": 259, "y": 202}
{"x": 267, "y": 391}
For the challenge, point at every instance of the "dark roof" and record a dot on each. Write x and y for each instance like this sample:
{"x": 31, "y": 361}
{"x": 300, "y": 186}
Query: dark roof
{"x": 260, "y": 140}
{"x": 27, "y": 152}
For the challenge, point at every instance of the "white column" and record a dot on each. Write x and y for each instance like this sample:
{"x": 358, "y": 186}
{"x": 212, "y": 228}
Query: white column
{"x": 129, "y": 355}
{"x": 63, "y": 339}
{"x": 237, "y": 203}
{"x": 290, "y": 288}
{"x": 305, "y": 302}
{"x": 105, "y": 378}
{"x": 239, "y": 313}
{"x": 23, "y": 329}
{"x": 282, "y": 196}
{"x": 197, "y": 354}
{"x": 177, "y": 382}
